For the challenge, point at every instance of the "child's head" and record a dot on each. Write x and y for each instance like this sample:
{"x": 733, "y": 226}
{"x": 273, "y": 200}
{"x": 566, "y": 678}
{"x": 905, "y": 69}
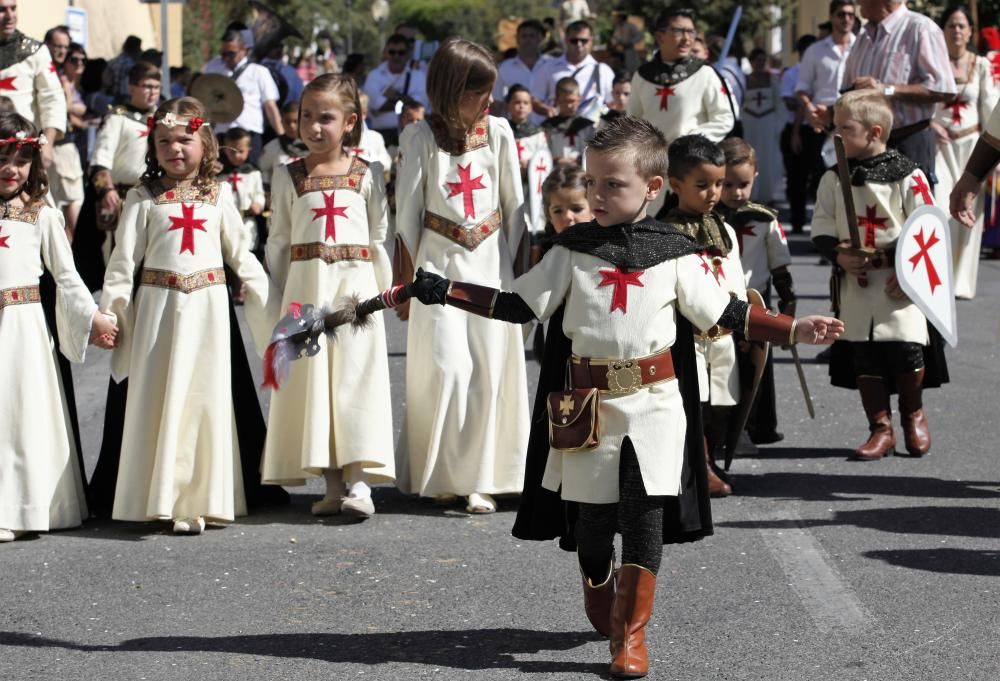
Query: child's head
{"x": 567, "y": 96}
{"x": 7, "y": 105}
{"x": 863, "y": 118}
{"x": 741, "y": 169}
{"x": 236, "y": 146}
{"x": 411, "y": 112}
{"x": 21, "y": 167}
{"x": 330, "y": 114}
{"x": 518, "y": 103}
{"x": 290, "y": 119}
{"x": 626, "y": 162}
{"x": 564, "y": 196}
{"x": 621, "y": 90}
{"x": 758, "y": 61}
{"x": 143, "y": 85}
{"x": 460, "y": 82}
{"x": 181, "y": 144}
{"x": 697, "y": 172}
{"x": 363, "y": 100}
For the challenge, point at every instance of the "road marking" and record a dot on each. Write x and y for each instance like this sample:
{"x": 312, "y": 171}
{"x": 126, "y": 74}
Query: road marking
{"x": 824, "y": 593}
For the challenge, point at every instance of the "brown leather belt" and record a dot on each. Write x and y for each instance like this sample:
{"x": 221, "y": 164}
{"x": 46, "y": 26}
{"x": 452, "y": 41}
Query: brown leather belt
{"x": 713, "y": 334}
{"x": 185, "y": 283}
{"x": 964, "y": 132}
{"x": 621, "y": 376}
{"x": 317, "y": 250}
{"x": 469, "y": 237}
{"x": 18, "y": 295}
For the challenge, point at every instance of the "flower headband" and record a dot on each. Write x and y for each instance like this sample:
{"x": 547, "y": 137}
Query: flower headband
{"x": 170, "y": 119}
{"x": 21, "y": 139}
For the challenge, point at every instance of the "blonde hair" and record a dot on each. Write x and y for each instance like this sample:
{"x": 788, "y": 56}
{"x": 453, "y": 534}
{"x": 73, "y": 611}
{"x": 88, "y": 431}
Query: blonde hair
{"x": 459, "y": 66}
{"x": 189, "y": 108}
{"x": 869, "y": 108}
{"x": 345, "y": 90}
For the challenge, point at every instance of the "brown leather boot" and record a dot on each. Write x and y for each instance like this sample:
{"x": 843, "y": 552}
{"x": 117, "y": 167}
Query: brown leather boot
{"x": 598, "y": 599}
{"x": 633, "y": 607}
{"x": 717, "y": 487}
{"x": 916, "y": 432}
{"x": 875, "y": 399}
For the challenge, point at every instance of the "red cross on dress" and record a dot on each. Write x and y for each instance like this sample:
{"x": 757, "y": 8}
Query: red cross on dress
{"x": 7, "y": 83}
{"x": 520, "y": 150}
{"x": 3, "y": 242}
{"x": 234, "y": 179}
{"x": 956, "y": 107}
{"x": 664, "y": 93}
{"x": 920, "y": 187}
{"x": 924, "y": 254}
{"x": 465, "y": 186}
{"x": 188, "y": 223}
{"x": 713, "y": 266}
{"x": 621, "y": 280}
{"x": 330, "y": 212}
{"x": 871, "y": 222}
{"x": 541, "y": 168}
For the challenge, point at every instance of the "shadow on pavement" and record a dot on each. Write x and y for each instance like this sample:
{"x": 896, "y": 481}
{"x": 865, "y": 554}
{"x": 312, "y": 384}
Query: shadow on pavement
{"x": 463, "y": 649}
{"x": 982, "y": 563}
{"x": 827, "y": 487}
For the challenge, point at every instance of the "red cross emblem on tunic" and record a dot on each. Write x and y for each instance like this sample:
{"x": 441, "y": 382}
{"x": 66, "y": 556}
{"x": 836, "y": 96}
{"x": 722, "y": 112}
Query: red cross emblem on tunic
{"x": 920, "y": 187}
{"x": 995, "y": 63}
{"x": 621, "y": 280}
{"x": 7, "y": 83}
{"x": 520, "y": 149}
{"x": 871, "y": 222}
{"x": 745, "y": 230}
{"x": 924, "y": 254}
{"x": 144, "y": 133}
{"x": 724, "y": 89}
{"x": 781, "y": 231}
{"x": 3, "y": 242}
{"x": 541, "y": 168}
{"x": 664, "y": 94}
{"x": 330, "y": 212}
{"x": 234, "y": 179}
{"x": 52, "y": 67}
{"x": 956, "y": 107}
{"x": 357, "y": 151}
{"x": 713, "y": 266}
{"x": 188, "y": 223}
{"x": 465, "y": 186}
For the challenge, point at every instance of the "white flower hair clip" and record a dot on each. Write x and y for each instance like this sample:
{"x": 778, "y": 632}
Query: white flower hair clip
{"x": 21, "y": 138}
{"x": 170, "y": 119}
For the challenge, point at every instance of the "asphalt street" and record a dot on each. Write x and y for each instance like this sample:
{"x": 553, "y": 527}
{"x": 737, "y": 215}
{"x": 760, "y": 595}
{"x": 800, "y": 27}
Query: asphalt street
{"x": 820, "y": 568}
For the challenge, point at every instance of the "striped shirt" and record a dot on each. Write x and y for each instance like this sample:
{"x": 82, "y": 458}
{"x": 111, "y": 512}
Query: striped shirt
{"x": 905, "y": 48}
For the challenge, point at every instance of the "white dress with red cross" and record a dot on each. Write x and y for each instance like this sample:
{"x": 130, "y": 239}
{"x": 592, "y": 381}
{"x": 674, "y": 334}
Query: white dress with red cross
{"x": 460, "y": 215}
{"x": 180, "y": 457}
{"x": 963, "y": 118}
{"x": 763, "y": 248}
{"x": 327, "y": 244}
{"x": 616, "y": 314}
{"x": 248, "y": 189}
{"x": 41, "y": 484}
{"x": 868, "y": 312}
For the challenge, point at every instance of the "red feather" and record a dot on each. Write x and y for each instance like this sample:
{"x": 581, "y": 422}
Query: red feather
{"x": 270, "y": 377}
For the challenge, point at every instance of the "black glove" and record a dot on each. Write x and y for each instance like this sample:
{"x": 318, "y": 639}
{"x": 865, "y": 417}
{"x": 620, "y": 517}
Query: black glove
{"x": 783, "y": 286}
{"x": 430, "y": 288}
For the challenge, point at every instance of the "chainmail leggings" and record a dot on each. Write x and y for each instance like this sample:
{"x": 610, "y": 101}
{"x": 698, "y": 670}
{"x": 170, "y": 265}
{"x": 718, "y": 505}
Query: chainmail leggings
{"x": 637, "y": 516}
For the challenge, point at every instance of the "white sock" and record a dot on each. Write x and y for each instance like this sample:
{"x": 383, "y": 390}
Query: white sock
{"x": 360, "y": 490}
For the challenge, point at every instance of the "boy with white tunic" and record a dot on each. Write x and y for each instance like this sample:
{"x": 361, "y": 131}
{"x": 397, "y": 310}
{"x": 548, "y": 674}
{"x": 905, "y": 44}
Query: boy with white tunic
{"x": 886, "y": 332}
{"x": 246, "y": 182}
{"x": 623, "y": 279}
{"x": 283, "y": 148}
{"x": 568, "y": 133}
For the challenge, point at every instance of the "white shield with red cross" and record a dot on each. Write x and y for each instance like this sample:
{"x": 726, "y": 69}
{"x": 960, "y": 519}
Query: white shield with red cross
{"x": 923, "y": 268}
{"x": 538, "y": 169}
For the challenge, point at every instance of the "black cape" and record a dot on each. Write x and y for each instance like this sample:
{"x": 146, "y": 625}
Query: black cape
{"x": 250, "y": 432}
{"x": 542, "y": 514}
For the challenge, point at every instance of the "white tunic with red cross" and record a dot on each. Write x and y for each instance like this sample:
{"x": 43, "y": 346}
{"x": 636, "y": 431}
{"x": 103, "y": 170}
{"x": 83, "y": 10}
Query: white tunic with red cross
{"x": 248, "y": 189}
{"x": 868, "y": 312}
{"x": 763, "y": 248}
{"x": 620, "y": 314}
{"x": 33, "y": 86}
{"x": 698, "y": 104}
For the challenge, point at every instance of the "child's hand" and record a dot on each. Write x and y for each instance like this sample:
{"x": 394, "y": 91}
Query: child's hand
{"x": 893, "y": 289}
{"x": 855, "y": 265}
{"x": 103, "y": 332}
{"x": 255, "y": 208}
{"x": 403, "y": 311}
{"x": 818, "y": 330}
{"x": 110, "y": 202}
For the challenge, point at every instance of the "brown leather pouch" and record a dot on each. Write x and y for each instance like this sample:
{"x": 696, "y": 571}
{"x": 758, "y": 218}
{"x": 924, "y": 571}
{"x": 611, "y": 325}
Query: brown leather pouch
{"x": 573, "y": 422}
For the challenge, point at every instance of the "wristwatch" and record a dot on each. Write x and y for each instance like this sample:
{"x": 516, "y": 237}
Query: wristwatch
{"x": 889, "y": 90}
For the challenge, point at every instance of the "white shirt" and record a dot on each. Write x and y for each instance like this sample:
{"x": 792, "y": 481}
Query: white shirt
{"x": 256, "y": 85}
{"x": 379, "y": 80}
{"x": 822, "y": 70}
{"x": 514, "y": 71}
{"x": 543, "y": 85}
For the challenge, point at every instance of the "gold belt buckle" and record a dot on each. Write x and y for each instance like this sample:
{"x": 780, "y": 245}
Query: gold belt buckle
{"x": 624, "y": 377}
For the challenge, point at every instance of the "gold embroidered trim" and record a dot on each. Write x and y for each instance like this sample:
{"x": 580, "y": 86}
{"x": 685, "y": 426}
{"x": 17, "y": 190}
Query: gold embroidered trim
{"x": 28, "y": 214}
{"x": 330, "y": 254}
{"x": 476, "y": 138}
{"x": 19, "y": 295}
{"x": 185, "y": 283}
{"x": 187, "y": 193}
{"x": 469, "y": 237}
{"x": 351, "y": 180}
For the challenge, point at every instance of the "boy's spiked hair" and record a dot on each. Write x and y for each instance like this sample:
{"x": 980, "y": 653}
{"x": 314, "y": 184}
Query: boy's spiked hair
{"x": 637, "y": 140}
{"x": 690, "y": 151}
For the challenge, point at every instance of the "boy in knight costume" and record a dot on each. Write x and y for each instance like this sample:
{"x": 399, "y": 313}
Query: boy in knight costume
{"x": 623, "y": 279}
{"x": 888, "y": 340}
{"x": 283, "y": 148}
{"x": 567, "y": 132}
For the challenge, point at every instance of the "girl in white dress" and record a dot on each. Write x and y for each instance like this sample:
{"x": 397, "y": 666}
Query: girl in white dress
{"x": 41, "y": 484}
{"x": 180, "y": 457}
{"x": 333, "y": 415}
{"x": 460, "y": 214}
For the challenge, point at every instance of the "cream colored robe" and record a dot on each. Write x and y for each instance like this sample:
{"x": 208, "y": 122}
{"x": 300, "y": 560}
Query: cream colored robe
{"x": 335, "y": 408}
{"x": 248, "y": 190}
{"x": 180, "y": 454}
{"x": 33, "y": 86}
{"x": 41, "y": 484}
{"x": 467, "y": 423}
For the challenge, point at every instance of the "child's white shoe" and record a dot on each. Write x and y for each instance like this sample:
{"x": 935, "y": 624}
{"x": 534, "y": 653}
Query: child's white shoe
{"x": 9, "y": 535}
{"x": 326, "y": 506}
{"x": 481, "y": 503}
{"x": 189, "y": 525}
{"x": 359, "y": 502}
